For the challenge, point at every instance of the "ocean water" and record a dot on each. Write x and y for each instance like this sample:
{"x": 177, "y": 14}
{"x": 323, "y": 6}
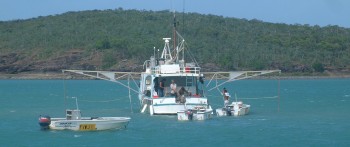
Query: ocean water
{"x": 308, "y": 113}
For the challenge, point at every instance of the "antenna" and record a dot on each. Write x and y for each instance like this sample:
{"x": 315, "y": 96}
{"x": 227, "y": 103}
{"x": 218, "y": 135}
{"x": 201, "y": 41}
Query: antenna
{"x": 183, "y": 17}
{"x": 158, "y": 53}
{"x": 76, "y": 102}
{"x": 166, "y": 54}
{"x": 174, "y": 30}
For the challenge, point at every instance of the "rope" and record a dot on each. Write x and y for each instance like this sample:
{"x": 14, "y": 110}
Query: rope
{"x": 219, "y": 106}
{"x": 130, "y": 93}
{"x": 100, "y": 101}
{"x": 214, "y": 96}
{"x": 256, "y": 98}
{"x": 271, "y": 97}
{"x": 106, "y": 101}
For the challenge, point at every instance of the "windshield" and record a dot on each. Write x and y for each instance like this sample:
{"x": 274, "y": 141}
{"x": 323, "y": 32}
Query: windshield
{"x": 191, "y": 83}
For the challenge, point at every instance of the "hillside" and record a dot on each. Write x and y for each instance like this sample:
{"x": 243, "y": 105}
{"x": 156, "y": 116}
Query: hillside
{"x": 122, "y": 39}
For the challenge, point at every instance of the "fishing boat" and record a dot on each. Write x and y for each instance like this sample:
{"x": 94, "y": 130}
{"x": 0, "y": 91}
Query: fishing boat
{"x": 74, "y": 121}
{"x": 155, "y": 94}
{"x": 168, "y": 68}
{"x": 234, "y": 109}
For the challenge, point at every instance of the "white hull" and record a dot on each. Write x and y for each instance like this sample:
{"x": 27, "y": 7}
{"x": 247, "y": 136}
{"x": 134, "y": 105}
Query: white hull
{"x": 171, "y": 109}
{"x": 89, "y": 124}
{"x": 236, "y": 111}
{"x": 196, "y": 115}
{"x": 168, "y": 106}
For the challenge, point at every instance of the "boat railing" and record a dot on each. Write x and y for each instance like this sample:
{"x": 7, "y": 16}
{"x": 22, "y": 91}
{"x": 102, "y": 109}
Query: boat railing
{"x": 185, "y": 70}
{"x": 193, "y": 96}
{"x": 195, "y": 70}
{"x": 146, "y": 64}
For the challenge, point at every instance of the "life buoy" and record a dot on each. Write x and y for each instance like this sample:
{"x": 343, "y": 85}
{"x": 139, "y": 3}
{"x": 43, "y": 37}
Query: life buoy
{"x": 187, "y": 69}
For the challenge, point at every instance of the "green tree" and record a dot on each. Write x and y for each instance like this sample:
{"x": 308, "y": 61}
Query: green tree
{"x": 318, "y": 67}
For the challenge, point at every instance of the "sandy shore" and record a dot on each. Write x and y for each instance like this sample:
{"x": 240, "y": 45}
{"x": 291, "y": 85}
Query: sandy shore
{"x": 32, "y": 76}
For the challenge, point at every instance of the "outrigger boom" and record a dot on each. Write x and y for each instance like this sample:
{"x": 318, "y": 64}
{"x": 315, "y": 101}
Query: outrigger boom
{"x": 235, "y": 76}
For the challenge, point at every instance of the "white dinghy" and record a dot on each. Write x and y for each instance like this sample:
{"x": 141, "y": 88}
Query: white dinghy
{"x": 234, "y": 109}
{"x": 197, "y": 113}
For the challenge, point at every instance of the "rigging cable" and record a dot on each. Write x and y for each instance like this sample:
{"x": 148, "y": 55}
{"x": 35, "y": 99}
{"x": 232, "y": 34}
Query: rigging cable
{"x": 279, "y": 93}
{"x": 251, "y": 98}
{"x": 64, "y": 92}
{"x": 105, "y": 101}
{"x": 129, "y": 93}
{"x": 191, "y": 55}
{"x": 183, "y": 17}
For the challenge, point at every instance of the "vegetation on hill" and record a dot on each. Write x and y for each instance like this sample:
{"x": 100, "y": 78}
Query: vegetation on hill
{"x": 122, "y": 39}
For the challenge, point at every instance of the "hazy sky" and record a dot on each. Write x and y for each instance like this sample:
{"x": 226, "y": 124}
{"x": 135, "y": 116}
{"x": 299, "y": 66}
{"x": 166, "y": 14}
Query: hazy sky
{"x": 313, "y": 12}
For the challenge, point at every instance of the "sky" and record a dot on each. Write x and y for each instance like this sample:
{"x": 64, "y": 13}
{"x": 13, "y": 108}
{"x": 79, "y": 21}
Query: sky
{"x": 311, "y": 12}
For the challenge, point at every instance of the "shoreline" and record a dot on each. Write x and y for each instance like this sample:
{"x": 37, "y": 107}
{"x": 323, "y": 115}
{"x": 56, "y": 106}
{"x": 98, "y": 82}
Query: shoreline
{"x": 61, "y": 76}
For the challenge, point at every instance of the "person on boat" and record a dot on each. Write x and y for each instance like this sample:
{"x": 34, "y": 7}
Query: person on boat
{"x": 181, "y": 95}
{"x": 156, "y": 84}
{"x": 226, "y": 97}
{"x": 155, "y": 94}
{"x": 161, "y": 88}
{"x": 173, "y": 88}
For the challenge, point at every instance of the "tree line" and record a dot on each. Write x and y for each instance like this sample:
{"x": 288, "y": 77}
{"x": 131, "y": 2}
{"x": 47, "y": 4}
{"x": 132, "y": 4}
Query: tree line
{"x": 228, "y": 43}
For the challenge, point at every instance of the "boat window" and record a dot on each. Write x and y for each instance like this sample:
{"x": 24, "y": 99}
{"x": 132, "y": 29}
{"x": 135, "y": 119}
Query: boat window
{"x": 148, "y": 88}
{"x": 148, "y": 80}
{"x": 190, "y": 83}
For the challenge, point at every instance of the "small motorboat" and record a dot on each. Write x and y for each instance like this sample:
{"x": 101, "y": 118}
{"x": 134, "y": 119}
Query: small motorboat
{"x": 197, "y": 113}
{"x": 234, "y": 109}
{"x": 74, "y": 121}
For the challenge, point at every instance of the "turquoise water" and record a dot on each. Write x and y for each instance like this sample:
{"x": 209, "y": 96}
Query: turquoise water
{"x": 311, "y": 113}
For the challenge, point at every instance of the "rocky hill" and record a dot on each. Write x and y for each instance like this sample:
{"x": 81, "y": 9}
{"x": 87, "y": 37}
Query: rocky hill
{"x": 122, "y": 39}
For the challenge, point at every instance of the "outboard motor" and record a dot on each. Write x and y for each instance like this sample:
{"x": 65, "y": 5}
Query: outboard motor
{"x": 228, "y": 111}
{"x": 44, "y": 122}
{"x": 189, "y": 114}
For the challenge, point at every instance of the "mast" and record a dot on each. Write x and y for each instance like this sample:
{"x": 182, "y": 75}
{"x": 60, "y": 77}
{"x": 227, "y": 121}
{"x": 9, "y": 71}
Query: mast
{"x": 174, "y": 33}
{"x": 183, "y": 17}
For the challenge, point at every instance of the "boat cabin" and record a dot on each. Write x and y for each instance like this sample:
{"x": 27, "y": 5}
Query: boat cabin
{"x": 73, "y": 114}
